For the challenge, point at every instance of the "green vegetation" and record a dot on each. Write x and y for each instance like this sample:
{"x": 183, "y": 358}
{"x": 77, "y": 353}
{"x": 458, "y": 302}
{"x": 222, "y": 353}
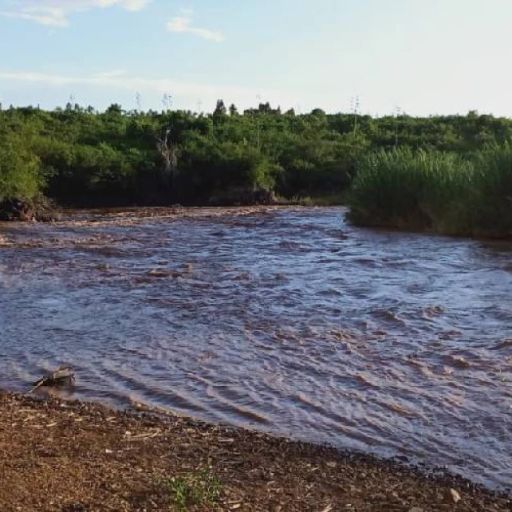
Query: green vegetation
{"x": 436, "y": 191}
{"x": 201, "y": 488}
{"x": 83, "y": 157}
{"x": 19, "y": 169}
{"x": 449, "y": 174}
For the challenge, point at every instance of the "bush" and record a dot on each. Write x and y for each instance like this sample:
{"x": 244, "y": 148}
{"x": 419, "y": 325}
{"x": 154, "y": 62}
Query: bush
{"x": 211, "y": 170}
{"x": 435, "y": 191}
{"x": 20, "y": 176}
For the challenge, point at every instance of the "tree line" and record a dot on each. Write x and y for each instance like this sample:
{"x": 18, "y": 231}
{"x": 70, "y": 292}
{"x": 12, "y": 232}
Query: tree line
{"x": 81, "y": 157}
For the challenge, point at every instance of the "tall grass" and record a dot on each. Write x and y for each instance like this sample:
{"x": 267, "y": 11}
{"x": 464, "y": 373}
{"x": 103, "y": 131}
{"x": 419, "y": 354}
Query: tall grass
{"x": 492, "y": 192}
{"x": 435, "y": 191}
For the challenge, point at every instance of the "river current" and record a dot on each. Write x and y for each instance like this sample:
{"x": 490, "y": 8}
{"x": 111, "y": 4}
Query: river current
{"x": 285, "y": 320}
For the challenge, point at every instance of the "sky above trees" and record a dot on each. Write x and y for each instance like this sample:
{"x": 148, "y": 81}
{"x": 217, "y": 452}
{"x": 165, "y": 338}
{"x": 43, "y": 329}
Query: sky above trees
{"x": 440, "y": 56}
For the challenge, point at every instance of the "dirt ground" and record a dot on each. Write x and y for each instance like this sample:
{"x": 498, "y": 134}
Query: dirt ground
{"x": 77, "y": 457}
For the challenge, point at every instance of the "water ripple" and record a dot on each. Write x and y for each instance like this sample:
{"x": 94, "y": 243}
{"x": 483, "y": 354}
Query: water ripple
{"x": 285, "y": 320}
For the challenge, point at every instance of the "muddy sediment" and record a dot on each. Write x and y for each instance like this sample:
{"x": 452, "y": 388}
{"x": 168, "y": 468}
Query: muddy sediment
{"x": 284, "y": 320}
{"x": 73, "y": 456}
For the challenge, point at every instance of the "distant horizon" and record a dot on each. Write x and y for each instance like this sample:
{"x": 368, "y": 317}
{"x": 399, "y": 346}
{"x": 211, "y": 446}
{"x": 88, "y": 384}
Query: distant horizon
{"x": 426, "y": 59}
{"x": 242, "y": 110}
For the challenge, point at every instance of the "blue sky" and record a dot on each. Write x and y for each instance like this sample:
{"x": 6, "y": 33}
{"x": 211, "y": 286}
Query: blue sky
{"x": 421, "y": 56}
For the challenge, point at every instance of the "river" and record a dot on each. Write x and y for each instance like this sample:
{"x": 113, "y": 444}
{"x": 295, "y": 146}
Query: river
{"x": 287, "y": 320}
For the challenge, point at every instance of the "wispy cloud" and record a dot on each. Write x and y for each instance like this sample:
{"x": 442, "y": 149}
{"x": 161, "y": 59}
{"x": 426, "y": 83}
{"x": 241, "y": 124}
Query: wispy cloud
{"x": 121, "y": 80}
{"x": 56, "y": 12}
{"x": 183, "y": 25}
{"x": 186, "y": 93}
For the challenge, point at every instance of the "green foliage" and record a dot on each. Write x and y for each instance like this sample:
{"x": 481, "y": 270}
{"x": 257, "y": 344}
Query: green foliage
{"x": 491, "y": 191}
{"x": 436, "y": 191}
{"x": 210, "y": 168}
{"x": 20, "y": 175}
{"x": 201, "y": 488}
{"x": 80, "y": 157}
{"x": 220, "y": 110}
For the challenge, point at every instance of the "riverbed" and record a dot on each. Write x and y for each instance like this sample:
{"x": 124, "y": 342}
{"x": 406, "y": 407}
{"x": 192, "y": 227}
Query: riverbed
{"x": 285, "y": 320}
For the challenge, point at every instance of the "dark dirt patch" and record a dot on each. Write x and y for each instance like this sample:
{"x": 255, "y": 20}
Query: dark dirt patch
{"x": 40, "y": 209}
{"x": 77, "y": 457}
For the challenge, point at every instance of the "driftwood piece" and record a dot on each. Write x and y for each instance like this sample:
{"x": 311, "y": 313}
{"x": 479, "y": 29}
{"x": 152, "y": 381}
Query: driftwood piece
{"x": 63, "y": 376}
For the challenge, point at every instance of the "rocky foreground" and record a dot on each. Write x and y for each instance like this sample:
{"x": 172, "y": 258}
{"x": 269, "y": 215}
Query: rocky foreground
{"x": 62, "y": 456}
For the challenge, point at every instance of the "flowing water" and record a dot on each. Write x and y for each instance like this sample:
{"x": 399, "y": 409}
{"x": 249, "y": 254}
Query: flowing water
{"x": 284, "y": 320}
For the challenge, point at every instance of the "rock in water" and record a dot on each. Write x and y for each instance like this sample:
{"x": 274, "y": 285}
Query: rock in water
{"x": 63, "y": 376}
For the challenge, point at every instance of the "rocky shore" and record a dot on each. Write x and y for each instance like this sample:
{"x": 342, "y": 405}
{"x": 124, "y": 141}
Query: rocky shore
{"x": 40, "y": 210}
{"x": 77, "y": 457}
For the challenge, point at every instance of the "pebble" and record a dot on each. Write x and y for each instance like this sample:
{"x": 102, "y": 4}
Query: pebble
{"x": 455, "y": 496}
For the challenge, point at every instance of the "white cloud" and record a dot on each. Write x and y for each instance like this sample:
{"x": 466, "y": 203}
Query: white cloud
{"x": 56, "y": 12}
{"x": 114, "y": 73}
{"x": 183, "y": 25}
{"x": 120, "y": 79}
{"x": 120, "y": 83}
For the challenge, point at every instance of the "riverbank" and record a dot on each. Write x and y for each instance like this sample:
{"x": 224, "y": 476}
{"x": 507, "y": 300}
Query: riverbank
{"x": 72, "y": 456}
{"x": 436, "y": 192}
{"x": 40, "y": 209}
{"x": 45, "y": 210}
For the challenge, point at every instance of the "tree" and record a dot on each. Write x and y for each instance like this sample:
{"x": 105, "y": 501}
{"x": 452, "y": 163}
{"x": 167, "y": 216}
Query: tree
{"x": 220, "y": 109}
{"x": 114, "y": 109}
{"x": 20, "y": 176}
{"x": 169, "y": 153}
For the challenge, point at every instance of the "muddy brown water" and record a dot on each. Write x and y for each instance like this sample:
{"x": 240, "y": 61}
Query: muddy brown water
{"x": 285, "y": 320}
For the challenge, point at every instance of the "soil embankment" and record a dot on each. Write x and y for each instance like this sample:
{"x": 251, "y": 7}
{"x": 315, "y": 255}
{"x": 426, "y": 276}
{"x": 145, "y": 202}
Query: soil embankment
{"x": 71, "y": 456}
{"x": 41, "y": 210}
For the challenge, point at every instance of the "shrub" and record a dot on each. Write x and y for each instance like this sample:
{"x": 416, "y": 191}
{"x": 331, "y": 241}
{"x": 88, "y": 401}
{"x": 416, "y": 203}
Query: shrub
{"x": 20, "y": 176}
{"x": 436, "y": 191}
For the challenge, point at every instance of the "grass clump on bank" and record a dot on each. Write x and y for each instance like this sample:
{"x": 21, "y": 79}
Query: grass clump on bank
{"x": 436, "y": 191}
{"x": 201, "y": 488}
